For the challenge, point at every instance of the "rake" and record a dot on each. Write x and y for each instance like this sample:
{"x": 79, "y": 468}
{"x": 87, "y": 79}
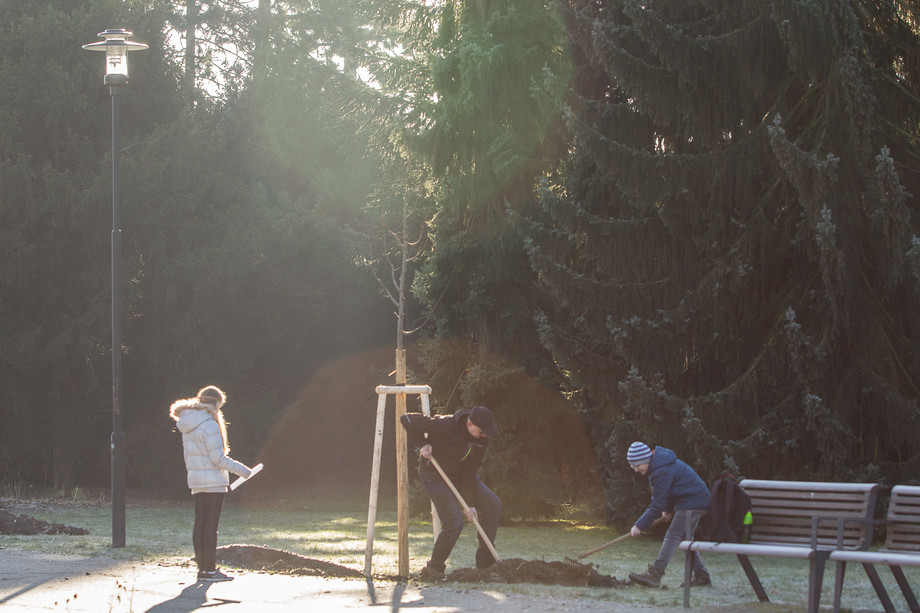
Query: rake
{"x": 615, "y": 541}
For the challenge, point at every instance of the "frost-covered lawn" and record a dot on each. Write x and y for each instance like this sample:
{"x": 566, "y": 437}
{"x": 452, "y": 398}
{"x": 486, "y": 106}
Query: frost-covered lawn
{"x": 333, "y": 527}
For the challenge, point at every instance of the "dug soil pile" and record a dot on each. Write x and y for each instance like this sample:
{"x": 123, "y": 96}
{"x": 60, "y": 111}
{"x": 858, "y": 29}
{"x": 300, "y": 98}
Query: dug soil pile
{"x": 513, "y": 570}
{"x": 283, "y": 562}
{"x": 23, "y": 524}
{"x": 516, "y": 570}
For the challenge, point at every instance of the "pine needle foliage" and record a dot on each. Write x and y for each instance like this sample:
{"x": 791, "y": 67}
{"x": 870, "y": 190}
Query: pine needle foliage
{"x": 729, "y": 254}
{"x": 498, "y": 69}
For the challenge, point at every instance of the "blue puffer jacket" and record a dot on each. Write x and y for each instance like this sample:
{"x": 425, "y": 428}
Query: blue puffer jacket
{"x": 675, "y": 487}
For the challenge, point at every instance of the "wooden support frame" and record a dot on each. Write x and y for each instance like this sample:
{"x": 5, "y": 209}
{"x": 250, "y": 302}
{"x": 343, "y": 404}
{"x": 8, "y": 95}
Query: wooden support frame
{"x": 402, "y": 471}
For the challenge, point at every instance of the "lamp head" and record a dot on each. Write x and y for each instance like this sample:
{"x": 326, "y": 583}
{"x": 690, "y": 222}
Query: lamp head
{"x": 116, "y": 46}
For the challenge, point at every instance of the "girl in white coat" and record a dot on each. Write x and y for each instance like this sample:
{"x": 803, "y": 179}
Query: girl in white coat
{"x": 204, "y": 442}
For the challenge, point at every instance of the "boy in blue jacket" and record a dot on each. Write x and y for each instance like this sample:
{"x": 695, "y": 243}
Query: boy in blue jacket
{"x": 678, "y": 495}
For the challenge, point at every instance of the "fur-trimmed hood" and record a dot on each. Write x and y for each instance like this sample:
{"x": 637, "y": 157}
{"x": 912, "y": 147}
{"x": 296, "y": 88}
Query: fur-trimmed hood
{"x": 179, "y": 406}
{"x": 188, "y": 420}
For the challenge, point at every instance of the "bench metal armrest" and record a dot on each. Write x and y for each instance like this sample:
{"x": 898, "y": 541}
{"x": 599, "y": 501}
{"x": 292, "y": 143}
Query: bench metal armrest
{"x": 841, "y": 522}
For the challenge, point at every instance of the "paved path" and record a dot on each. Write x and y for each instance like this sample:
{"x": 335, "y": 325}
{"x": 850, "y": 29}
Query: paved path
{"x": 41, "y": 582}
{"x": 32, "y": 581}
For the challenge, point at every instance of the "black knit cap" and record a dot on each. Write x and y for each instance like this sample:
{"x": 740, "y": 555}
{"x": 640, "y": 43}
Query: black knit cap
{"x": 482, "y": 418}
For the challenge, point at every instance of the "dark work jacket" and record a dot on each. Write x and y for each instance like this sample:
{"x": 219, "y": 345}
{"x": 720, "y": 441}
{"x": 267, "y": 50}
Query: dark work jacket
{"x": 675, "y": 487}
{"x": 458, "y": 453}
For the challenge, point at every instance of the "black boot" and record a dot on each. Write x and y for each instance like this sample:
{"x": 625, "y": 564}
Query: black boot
{"x": 430, "y": 574}
{"x": 652, "y": 578}
{"x": 700, "y": 579}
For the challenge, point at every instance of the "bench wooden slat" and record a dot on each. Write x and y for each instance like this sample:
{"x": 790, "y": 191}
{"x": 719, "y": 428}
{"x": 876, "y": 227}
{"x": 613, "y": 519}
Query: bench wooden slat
{"x": 808, "y": 486}
{"x": 813, "y": 509}
{"x": 830, "y": 496}
{"x": 831, "y": 542}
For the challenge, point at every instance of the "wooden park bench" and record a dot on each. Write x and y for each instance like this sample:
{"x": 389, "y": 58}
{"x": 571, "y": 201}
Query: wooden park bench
{"x": 796, "y": 519}
{"x": 901, "y": 548}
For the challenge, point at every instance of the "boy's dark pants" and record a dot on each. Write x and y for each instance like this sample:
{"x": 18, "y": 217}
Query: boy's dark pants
{"x": 677, "y": 532}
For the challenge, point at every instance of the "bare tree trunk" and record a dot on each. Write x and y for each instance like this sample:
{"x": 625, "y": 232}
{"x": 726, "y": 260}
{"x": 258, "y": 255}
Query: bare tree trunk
{"x": 396, "y": 289}
{"x": 402, "y": 460}
{"x": 402, "y": 472}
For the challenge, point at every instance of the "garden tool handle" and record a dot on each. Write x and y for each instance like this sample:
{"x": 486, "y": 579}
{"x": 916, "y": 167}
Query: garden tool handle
{"x": 614, "y": 541}
{"x": 466, "y": 507}
{"x": 604, "y": 546}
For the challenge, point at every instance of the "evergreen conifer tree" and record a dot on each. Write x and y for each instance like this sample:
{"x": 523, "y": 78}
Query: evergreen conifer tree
{"x": 497, "y": 70}
{"x": 729, "y": 254}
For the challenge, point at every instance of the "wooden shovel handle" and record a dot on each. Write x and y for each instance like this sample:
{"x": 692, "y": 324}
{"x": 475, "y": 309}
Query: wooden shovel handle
{"x": 466, "y": 507}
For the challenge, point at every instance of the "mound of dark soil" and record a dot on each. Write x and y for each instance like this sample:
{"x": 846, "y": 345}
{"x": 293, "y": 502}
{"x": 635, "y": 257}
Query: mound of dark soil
{"x": 23, "y": 524}
{"x": 285, "y": 562}
{"x": 513, "y": 570}
{"x": 516, "y": 570}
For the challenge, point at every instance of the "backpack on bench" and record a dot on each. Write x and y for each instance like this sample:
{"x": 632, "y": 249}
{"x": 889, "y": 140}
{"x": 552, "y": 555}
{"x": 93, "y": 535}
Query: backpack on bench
{"x": 725, "y": 517}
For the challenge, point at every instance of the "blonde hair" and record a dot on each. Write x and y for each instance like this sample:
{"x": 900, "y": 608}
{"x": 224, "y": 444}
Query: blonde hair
{"x": 211, "y": 399}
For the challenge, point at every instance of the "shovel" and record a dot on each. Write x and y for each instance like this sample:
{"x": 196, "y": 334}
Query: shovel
{"x": 614, "y": 541}
{"x": 466, "y": 507}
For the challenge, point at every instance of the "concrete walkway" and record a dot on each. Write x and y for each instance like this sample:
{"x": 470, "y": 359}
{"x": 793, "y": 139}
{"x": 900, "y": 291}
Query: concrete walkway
{"x": 32, "y": 581}
{"x": 40, "y": 582}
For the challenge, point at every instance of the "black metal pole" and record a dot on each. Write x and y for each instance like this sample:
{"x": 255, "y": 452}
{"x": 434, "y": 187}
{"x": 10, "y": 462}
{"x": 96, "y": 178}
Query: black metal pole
{"x": 118, "y": 435}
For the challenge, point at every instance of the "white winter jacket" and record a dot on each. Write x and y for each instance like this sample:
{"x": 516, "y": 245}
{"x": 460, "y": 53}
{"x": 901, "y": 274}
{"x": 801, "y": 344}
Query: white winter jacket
{"x": 207, "y": 464}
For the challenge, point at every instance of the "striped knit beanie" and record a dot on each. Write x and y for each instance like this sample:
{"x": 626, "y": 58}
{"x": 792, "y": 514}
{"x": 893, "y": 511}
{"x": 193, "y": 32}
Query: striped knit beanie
{"x": 638, "y": 453}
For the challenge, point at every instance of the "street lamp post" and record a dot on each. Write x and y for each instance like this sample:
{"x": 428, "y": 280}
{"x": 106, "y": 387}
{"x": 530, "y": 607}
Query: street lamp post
{"x": 116, "y": 47}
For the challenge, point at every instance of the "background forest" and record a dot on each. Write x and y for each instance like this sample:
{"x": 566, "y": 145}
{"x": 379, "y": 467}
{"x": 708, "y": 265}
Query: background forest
{"x": 688, "y": 222}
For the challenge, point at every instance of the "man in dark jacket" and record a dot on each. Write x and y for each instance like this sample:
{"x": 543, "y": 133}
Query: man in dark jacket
{"x": 458, "y": 442}
{"x": 678, "y": 495}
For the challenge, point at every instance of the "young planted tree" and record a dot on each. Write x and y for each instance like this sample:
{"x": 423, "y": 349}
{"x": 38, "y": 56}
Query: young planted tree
{"x": 729, "y": 252}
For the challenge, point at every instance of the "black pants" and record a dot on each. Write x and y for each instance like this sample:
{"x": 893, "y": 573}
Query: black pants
{"x": 489, "y": 507}
{"x": 204, "y": 535}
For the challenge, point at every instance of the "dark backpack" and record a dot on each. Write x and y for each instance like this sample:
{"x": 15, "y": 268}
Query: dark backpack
{"x": 728, "y": 504}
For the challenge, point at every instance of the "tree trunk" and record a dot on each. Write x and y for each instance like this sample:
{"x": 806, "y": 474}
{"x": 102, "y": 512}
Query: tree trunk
{"x": 402, "y": 470}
